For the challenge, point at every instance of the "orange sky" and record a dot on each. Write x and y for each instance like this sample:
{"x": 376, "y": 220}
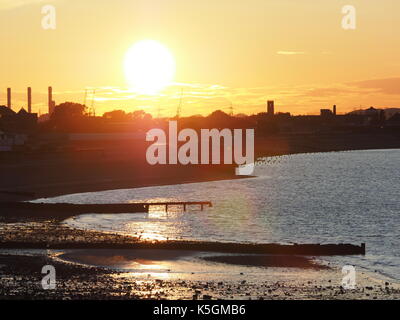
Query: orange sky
{"x": 236, "y": 51}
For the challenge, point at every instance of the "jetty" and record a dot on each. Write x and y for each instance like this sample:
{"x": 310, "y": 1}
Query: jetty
{"x": 65, "y": 210}
{"x": 184, "y": 204}
{"x": 61, "y": 211}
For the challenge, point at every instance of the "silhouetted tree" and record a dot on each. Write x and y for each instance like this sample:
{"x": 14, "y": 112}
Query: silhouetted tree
{"x": 68, "y": 116}
{"x": 219, "y": 119}
{"x": 117, "y": 115}
{"x": 219, "y": 115}
{"x": 69, "y": 110}
{"x": 138, "y": 114}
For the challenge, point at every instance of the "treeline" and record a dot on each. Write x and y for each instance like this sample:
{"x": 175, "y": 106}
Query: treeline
{"x": 74, "y": 117}
{"x": 70, "y": 117}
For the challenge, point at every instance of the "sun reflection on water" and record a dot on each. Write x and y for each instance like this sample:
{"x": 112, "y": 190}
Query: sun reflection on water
{"x": 160, "y": 223}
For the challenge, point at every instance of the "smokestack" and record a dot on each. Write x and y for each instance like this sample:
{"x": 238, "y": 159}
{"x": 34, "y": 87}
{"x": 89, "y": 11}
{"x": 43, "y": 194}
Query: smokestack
{"x": 50, "y": 100}
{"x": 29, "y": 99}
{"x": 270, "y": 107}
{"x": 9, "y": 98}
{"x": 334, "y": 109}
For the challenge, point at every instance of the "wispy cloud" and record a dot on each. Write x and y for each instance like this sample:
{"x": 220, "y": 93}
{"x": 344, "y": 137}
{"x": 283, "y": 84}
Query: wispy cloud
{"x": 386, "y": 85}
{"x": 290, "y": 53}
{"x": 11, "y": 4}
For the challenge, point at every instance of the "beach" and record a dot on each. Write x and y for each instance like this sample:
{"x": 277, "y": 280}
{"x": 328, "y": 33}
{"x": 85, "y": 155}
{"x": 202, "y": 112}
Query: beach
{"x": 21, "y": 279}
{"x": 29, "y": 242}
{"x": 164, "y": 274}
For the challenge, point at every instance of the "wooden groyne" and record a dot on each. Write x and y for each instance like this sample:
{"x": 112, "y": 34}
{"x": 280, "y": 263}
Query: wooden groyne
{"x": 18, "y": 193}
{"x": 64, "y": 210}
{"x": 261, "y": 248}
{"x": 221, "y": 247}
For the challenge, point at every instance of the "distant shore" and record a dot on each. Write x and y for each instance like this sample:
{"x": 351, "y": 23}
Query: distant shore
{"x": 99, "y": 166}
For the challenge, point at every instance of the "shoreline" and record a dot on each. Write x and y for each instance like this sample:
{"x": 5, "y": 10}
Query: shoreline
{"x": 21, "y": 279}
{"x": 21, "y": 267}
{"x": 118, "y": 167}
{"x": 60, "y": 189}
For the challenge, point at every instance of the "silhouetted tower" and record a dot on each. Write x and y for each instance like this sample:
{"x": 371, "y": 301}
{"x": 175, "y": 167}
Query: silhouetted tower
{"x": 9, "y": 98}
{"x": 84, "y": 100}
{"x": 92, "y": 109}
{"x": 231, "y": 110}
{"x": 270, "y": 107}
{"x": 334, "y": 109}
{"x": 29, "y": 99}
{"x": 158, "y": 112}
{"x": 51, "y": 103}
{"x": 179, "y": 109}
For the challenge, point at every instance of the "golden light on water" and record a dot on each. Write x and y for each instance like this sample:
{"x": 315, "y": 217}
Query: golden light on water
{"x": 149, "y": 67}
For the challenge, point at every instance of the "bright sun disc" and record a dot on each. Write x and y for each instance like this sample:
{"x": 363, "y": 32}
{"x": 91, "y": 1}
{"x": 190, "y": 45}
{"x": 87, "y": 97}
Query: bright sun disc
{"x": 149, "y": 67}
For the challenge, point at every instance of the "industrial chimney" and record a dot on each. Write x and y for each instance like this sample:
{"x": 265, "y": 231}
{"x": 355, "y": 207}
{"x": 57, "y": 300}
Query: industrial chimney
{"x": 51, "y": 103}
{"x": 9, "y": 98}
{"x": 29, "y": 99}
{"x": 334, "y": 109}
{"x": 270, "y": 107}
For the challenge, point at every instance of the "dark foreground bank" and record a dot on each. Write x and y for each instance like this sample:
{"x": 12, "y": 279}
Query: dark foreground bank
{"x": 21, "y": 279}
{"x": 103, "y": 165}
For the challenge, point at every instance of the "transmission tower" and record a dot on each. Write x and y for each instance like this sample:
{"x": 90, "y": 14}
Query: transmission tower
{"x": 84, "y": 100}
{"x": 92, "y": 109}
{"x": 158, "y": 112}
{"x": 179, "y": 109}
{"x": 231, "y": 110}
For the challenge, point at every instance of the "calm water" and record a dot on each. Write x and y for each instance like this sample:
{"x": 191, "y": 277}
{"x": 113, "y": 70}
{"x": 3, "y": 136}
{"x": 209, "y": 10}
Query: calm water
{"x": 307, "y": 198}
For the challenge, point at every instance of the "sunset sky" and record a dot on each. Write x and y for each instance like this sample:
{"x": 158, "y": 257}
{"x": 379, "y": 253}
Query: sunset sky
{"x": 226, "y": 51}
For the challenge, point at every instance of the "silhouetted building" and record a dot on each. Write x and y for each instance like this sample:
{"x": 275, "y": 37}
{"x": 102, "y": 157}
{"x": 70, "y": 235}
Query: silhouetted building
{"x": 326, "y": 112}
{"x": 29, "y": 100}
{"x": 51, "y": 102}
{"x": 9, "y": 98}
{"x": 21, "y": 122}
{"x": 5, "y": 112}
{"x": 394, "y": 120}
{"x": 270, "y": 107}
{"x": 10, "y": 141}
{"x": 371, "y": 111}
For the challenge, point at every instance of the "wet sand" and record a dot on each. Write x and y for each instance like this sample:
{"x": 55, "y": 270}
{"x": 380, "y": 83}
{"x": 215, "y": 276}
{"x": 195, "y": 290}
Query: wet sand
{"x": 121, "y": 258}
{"x": 276, "y": 261}
{"x": 20, "y": 274}
{"x": 166, "y": 274}
{"x": 20, "y": 279}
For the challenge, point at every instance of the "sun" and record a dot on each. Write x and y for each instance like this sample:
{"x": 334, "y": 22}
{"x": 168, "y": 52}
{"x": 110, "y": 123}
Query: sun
{"x": 149, "y": 67}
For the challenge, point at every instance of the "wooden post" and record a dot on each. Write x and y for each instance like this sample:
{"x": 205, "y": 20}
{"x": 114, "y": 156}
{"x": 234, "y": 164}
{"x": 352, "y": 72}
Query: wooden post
{"x": 202, "y": 207}
{"x": 184, "y": 207}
